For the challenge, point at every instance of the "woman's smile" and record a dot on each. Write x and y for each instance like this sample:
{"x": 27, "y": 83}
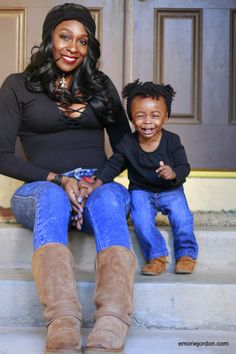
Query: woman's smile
{"x": 69, "y": 60}
{"x": 70, "y": 45}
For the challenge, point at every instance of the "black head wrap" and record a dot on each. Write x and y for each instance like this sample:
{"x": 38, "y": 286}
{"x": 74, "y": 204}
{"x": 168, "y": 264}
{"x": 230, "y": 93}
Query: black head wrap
{"x": 68, "y": 11}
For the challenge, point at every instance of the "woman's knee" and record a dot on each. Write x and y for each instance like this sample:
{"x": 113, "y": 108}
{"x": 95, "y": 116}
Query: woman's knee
{"x": 52, "y": 194}
{"x": 112, "y": 195}
{"x": 30, "y": 198}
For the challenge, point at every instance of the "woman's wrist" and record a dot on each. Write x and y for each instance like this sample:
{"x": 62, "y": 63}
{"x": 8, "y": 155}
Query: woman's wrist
{"x": 57, "y": 178}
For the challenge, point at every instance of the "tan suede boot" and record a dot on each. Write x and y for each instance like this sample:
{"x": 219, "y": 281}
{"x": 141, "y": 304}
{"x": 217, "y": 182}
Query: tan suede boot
{"x": 115, "y": 271}
{"x": 52, "y": 266}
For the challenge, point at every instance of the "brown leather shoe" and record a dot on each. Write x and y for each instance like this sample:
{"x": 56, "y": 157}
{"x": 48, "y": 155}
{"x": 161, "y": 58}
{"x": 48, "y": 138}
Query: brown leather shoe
{"x": 185, "y": 265}
{"x": 155, "y": 266}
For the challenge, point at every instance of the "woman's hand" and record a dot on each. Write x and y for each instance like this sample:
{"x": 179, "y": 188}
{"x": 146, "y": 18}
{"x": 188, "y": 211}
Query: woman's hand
{"x": 78, "y": 193}
{"x": 165, "y": 172}
{"x": 78, "y": 219}
{"x": 71, "y": 187}
{"x": 77, "y": 199}
{"x": 85, "y": 188}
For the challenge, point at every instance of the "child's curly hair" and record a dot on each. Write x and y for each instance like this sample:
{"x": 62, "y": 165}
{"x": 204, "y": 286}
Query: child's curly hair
{"x": 147, "y": 89}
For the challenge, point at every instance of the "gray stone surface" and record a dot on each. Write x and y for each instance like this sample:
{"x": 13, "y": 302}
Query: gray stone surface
{"x": 138, "y": 341}
{"x": 216, "y": 248}
{"x": 197, "y": 301}
{"x": 203, "y": 300}
{"x": 207, "y": 218}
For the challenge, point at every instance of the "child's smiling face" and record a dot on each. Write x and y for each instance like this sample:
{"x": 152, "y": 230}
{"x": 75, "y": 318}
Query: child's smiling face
{"x": 148, "y": 116}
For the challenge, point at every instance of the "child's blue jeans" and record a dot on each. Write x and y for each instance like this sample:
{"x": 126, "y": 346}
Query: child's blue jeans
{"x": 144, "y": 208}
{"x": 45, "y": 208}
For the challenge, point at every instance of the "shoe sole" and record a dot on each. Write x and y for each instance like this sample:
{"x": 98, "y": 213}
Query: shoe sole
{"x": 64, "y": 352}
{"x": 103, "y": 351}
{"x": 183, "y": 271}
{"x": 150, "y": 273}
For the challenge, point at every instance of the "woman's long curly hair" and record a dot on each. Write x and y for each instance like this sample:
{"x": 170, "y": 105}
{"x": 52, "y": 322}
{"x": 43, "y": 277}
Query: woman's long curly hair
{"x": 92, "y": 84}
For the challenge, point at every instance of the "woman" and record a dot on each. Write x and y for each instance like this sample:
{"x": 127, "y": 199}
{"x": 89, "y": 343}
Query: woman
{"x": 59, "y": 107}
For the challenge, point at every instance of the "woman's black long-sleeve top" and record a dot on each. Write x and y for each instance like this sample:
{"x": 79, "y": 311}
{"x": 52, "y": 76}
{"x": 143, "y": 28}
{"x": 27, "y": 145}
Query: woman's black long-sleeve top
{"x": 50, "y": 145}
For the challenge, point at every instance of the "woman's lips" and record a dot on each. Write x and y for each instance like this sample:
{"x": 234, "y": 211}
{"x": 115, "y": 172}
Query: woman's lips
{"x": 69, "y": 60}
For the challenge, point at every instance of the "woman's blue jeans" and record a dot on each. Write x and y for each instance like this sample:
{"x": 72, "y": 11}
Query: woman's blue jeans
{"x": 45, "y": 208}
{"x": 144, "y": 208}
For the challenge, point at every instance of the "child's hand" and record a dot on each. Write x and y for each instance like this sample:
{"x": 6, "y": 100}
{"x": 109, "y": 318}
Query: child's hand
{"x": 165, "y": 172}
{"x": 86, "y": 188}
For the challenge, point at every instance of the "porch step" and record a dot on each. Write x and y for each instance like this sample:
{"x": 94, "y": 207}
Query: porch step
{"x": 197, "y": 301}
{"x": 139, "y": 341}
{"x": 216, "y": 248}
{"x": 203, "y": 300}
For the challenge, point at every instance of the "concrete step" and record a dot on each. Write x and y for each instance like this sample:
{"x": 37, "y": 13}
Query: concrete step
{"x": 216, "y": 248}
{"x": 197, "y": 301}
{"x": 138, "y": 341}
{"x": 208, "y": 216}
{"x": 203, "y": 300}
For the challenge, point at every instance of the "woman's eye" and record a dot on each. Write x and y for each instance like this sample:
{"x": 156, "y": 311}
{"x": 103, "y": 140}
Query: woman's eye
{"x": 83, "y": 42}
{"x": 64, "y": 37}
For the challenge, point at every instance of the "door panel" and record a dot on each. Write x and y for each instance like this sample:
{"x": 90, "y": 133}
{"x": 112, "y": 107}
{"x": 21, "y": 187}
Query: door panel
{"x": 12, "y": 22}
{"x": 177, "y": 59}
{"x": 191, "y": 44}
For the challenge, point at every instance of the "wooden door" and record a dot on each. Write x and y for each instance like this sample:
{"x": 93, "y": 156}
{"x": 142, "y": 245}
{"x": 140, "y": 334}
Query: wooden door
{"x": 191, "y": 44}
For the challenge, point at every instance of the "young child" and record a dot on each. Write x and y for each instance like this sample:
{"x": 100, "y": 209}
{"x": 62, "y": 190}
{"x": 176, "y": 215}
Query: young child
{"x": 157, "y": 167}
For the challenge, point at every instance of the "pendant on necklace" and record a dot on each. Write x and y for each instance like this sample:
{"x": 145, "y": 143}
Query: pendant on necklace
{"x": 63, "y": 82}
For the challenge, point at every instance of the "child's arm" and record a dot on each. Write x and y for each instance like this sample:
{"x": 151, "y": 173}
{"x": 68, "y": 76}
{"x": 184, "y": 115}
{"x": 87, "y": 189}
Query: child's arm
{"x": 181, "y": 167}
{"x": 112, "y": 168}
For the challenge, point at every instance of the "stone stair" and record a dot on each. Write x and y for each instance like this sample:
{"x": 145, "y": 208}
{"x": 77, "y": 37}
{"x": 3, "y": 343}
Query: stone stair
{"x": 170, "y": 307}
{"x": 22, "y": 340}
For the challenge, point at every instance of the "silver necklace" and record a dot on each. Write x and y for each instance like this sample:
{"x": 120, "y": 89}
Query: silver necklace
{"x": 63, "y": 81}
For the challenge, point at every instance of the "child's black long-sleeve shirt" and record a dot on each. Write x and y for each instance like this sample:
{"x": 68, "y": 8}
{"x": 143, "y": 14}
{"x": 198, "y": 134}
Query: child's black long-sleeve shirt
{"x": 142, "y": 165}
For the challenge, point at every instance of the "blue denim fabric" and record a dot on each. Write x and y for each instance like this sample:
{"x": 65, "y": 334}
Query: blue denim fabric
{"x": 45, "y": 208}
{"x": 106, "y": 210}
{"x": 144, "y": 208}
